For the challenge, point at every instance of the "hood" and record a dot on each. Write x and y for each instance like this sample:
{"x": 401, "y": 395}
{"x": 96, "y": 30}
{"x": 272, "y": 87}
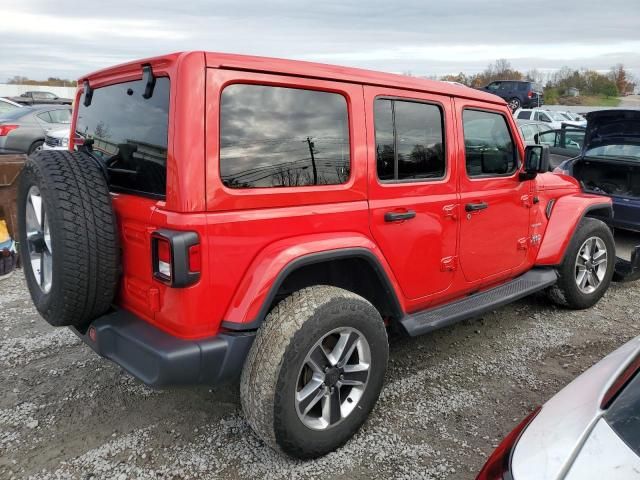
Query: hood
{"x": 612, "y": 127}
{"x": 553, "y": 181}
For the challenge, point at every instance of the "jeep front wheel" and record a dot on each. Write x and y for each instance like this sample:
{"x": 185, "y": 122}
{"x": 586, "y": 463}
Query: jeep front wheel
{"x": 586, "y": 271}
{"x": 314, "y": 371}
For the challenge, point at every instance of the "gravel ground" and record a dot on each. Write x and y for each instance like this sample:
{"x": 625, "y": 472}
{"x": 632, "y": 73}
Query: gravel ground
{"x": 449, "y": 399}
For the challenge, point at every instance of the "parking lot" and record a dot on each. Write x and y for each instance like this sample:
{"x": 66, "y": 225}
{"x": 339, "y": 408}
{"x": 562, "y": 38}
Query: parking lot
{"x": 448, "y": 400}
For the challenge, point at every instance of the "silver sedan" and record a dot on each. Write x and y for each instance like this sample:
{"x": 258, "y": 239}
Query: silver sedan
{"x": 589, "y": 430}
{"x": 23, "y": 130}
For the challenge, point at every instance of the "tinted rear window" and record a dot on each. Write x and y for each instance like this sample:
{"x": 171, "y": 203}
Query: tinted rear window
{"x": 624, "y": 414}
{"x": 283, "y": 137}
{"x": 130, "y": 133}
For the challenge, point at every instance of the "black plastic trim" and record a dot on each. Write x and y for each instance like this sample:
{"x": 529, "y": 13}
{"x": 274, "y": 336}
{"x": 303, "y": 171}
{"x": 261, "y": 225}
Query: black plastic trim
{"x": 179, "y": 242}
{"x": 319, "y": 258}
{"x": 549, "y": 210}
{"x": 149, "y": 80}
{"x": 628, "y": 270}
{"x": 88, "y": 93}
{"x": 159, "y": 359}
{"x": 477, "y": 304}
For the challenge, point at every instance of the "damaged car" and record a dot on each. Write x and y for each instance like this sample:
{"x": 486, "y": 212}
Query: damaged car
{"x": 608, "y": 163}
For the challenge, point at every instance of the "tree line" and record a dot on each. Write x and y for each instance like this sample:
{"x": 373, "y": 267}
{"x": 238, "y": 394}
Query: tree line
{"x": 589, "y": 82}
{"x": 49, "y": 82}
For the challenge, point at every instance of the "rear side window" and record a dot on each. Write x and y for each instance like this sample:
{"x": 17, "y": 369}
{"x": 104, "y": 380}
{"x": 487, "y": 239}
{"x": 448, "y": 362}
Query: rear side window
{"x": 409, "y": 140}
{"x": 283, "y": 137}
{"x": 60, "y": 116}
{"x": 489, "y": 148}
{"x": 129, "y": 133}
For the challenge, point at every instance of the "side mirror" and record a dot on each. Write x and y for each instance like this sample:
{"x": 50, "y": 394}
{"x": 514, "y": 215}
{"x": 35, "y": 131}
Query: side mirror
{"x": 536, "y": 160}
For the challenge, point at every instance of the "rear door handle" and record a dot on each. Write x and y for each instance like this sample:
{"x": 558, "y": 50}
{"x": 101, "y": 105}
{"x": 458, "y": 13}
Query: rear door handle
{"x": 474, "y": 207}
{"x": 397, "y": 216}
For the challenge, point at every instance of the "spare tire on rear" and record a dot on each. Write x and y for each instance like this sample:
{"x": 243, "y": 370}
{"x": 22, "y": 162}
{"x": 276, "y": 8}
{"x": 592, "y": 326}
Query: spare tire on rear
{"x": 68, "y": 237}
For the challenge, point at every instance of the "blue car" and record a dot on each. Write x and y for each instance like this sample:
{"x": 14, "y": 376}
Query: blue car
{"x": 609, "y": 163}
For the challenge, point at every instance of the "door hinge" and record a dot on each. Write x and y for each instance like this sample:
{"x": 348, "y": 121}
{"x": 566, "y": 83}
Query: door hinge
{"x": 449, "y": 264}
{"x": 528, "y": 200}
{"x": 523, "y": 243}
{"x": 451, "y": 211}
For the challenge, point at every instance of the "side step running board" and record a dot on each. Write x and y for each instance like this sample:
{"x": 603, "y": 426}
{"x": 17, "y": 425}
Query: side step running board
{"x": 475, "y": 305}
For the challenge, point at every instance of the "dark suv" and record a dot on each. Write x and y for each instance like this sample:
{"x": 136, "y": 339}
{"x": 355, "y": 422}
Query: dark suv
{"x": 517, "y": 93}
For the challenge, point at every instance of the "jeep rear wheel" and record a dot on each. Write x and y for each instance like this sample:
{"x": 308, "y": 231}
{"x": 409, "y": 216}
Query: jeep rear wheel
{"x": 314, "y": 371}
{"x": 587, "y": 268}
{"x": 68, "y": 237}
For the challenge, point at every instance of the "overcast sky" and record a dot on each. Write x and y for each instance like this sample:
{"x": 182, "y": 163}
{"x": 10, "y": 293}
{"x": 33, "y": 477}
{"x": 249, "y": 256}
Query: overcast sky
{"x": 67, "y": 38}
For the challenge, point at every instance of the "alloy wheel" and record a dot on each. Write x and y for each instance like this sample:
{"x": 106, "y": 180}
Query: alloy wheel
{"x": 333, "y": 378}
{"x": 39, "y": 239}
{"x": 591, "y": 264}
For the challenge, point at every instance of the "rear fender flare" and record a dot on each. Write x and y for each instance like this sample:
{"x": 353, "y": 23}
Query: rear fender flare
{"x": 271, "y": 267}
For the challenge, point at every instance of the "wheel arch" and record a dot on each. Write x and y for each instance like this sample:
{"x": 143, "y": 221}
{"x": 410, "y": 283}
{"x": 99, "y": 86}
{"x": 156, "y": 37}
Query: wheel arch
{"x": 356, "y": 269}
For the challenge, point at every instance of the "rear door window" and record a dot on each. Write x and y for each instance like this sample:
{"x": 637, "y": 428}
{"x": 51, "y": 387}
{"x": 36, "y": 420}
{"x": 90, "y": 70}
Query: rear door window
{"x": 489, "y": 148}
{"x": 283, "y": 137}
{"x": 524, "y": 115}
{"x": 129, "y": 132}
{"x": 409, "y": 140}
{"x": 60, "y": 116}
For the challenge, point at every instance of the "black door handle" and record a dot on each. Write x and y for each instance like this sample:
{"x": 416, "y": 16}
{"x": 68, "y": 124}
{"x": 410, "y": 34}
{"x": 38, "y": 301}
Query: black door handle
{"x": 474, "y": 207}
{"x": 397, "y": 216}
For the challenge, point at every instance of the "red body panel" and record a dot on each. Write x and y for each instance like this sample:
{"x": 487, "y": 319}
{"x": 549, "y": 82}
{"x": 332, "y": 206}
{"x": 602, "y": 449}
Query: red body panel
{"x": 567, "y": 212}
{"x": 248, "y": 236}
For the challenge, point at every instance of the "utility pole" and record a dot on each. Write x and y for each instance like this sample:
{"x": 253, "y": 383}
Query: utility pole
{"x": 313, "y": 161}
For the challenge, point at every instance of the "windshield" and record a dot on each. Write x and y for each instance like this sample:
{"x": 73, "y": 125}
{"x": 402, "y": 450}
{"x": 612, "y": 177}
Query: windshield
{"x": 129, "y": 133}
{"x": 626, "y": 152}
{"x": 557, "y": 116}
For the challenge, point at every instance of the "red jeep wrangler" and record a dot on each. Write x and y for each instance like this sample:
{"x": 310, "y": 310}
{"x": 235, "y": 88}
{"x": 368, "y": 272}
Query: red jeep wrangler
{"x": 221, "y": 216}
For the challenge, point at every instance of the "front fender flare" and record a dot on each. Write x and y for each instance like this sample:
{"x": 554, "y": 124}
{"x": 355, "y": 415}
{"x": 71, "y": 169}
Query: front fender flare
{"x": 566, "y": 214}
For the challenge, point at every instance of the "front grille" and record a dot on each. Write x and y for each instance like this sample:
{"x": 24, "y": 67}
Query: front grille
{"x": 52, "y": 141}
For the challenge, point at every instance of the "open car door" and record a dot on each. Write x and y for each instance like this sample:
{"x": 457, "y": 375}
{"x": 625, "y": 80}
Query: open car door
{"x": 564, "y": 143}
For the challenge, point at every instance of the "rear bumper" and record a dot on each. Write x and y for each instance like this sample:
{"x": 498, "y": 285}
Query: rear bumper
{"x": 159, "y": 359}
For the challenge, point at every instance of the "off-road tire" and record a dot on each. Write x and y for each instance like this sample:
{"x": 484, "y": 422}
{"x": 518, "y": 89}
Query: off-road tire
{"x": 269, "y": 376}
{"x": 84, "y": 238}
{"x": 566, "y": 292}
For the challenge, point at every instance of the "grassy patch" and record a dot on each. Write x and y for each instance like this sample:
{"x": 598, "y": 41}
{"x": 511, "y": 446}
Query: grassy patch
{"x": 590, "y": 101}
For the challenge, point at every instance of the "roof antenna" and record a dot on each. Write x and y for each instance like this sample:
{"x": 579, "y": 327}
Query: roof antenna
{"x": 149, "y": 80}
{"x": 88, "y": 93}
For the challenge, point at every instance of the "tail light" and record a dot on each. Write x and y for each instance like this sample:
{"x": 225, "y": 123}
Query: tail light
{"x": 498, "y": 465}
{"x": 175, "y": 257}
{"x": 5, "y": 129}
{"x": 530, "y": 94}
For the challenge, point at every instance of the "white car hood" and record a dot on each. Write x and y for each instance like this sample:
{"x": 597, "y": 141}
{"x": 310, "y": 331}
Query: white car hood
{"x": 549, "y": 445}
